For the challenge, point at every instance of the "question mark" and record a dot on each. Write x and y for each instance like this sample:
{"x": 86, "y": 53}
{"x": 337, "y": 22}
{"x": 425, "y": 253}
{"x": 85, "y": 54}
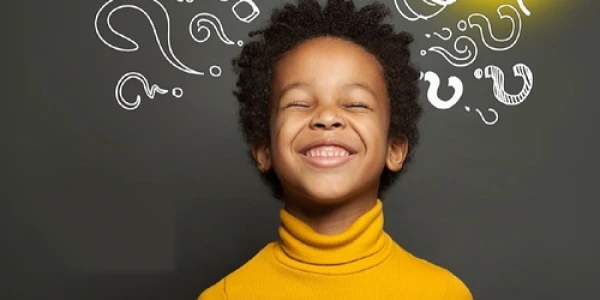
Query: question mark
{"x": 163, "y": 37}
{"x": 432, "y": 92}
{"x": 515, "y": 32}
{"x": 497, "y": 76}
{"x": 483, "y": 118}
{"x": 150, "y": 90}
{"x": 470, "y": 52}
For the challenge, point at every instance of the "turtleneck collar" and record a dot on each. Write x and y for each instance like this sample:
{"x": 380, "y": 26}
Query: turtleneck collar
{"x": 363, "y": 245}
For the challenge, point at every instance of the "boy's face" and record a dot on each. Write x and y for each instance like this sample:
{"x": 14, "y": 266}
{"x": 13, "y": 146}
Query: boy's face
{"x": 330, "y": 91}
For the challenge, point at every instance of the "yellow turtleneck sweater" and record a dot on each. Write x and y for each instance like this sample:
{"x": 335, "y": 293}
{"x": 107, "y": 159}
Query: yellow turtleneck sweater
{"x": 363, "y": 262}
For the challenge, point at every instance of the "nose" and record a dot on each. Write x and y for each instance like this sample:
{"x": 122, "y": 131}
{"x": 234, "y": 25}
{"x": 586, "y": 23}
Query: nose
{"x": 327, "y": 119}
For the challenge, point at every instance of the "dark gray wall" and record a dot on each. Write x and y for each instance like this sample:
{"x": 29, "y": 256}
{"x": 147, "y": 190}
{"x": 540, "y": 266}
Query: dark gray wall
{"x": 159, "y": 202}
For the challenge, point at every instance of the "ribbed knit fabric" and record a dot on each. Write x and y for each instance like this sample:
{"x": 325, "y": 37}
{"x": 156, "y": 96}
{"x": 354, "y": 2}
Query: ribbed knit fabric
{"x": 363, "y": 262}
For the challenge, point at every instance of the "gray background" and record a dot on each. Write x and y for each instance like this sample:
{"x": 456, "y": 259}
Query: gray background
{"x": 161, "y": 202}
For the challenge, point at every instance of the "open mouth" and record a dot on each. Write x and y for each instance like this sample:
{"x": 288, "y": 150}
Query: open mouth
{"x": 327, "y": 156}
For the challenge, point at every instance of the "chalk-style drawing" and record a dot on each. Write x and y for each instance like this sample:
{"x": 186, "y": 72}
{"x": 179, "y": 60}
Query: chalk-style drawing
{"x": 432, "y": 92}
{"x": 163, "y": 36}
{"x": 409, "y": 13}
{"x": 524, "y": 8}
{"x": 151, "y": 91}
{"x": 249, "y": 18}
{"x": 492, "y": 122}
{"x": 246, "y": 19}
{"x": 197, "y": 24}
{"x": 469, "y": 54}
{"x": 497, "y": 76}
{"x": 503, "y": 43}
{"x": 445, "y": 38}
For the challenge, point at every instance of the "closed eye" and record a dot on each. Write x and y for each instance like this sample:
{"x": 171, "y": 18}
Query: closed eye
{"x": 296, "y": 103}
{"x": 357, "y": 104}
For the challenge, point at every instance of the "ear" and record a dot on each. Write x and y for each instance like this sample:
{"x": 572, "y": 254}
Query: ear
{"x": 396, "y": 154}
{"x": 262, "y": 156}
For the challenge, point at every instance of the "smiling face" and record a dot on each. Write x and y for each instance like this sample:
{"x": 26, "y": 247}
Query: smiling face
{"x": 329, "y": 124}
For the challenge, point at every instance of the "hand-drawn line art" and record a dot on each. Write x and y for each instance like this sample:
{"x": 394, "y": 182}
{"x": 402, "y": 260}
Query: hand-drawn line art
{"x": 483, "y": 118}
{"x": 204, "y": 17}
{"x": 163, "y": 39}
{"x": 150, "y": 90}
{"x": 432, "y": 92}
{"x": 497, "y": 76}
{"x": 524, "y": 8}
{"x": 506, "y": 43}
{"x": 409, "y": 13}
{"x": 247, "y": 19}
{"x": 470, "y": 55}
{"x": 445, "y": 38}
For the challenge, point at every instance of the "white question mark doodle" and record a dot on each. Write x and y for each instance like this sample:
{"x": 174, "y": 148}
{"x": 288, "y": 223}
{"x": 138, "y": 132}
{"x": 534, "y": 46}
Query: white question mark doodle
{"x": 432, "y": 91}
{"x": 163, "y": 39}
{"x": 515, "y": 32}
{"x": 445, "y": 38}
{"x": 483, "y": 118}
{"x": 199, "y": 19}
{"x": 150, "y": 90}
{"x": 470, "y": 55}
{"x": 409, "y": 13}
{"x": 497, "y": 76}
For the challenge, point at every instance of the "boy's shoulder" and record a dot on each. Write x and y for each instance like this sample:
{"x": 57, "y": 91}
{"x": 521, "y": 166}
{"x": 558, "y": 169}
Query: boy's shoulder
{"x": 241, "y": 276}
{"x": 423, "y": 273}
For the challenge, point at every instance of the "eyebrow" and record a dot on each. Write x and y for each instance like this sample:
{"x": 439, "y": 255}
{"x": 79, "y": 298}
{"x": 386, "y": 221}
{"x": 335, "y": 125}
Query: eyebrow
{"x": 347, "y": 86}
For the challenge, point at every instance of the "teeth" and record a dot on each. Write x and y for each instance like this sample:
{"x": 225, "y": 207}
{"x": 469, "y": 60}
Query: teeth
{"x": 327, "y": 153}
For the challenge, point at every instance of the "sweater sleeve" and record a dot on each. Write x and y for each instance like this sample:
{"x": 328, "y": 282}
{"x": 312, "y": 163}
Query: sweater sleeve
{"x": 457, "y": 290}
{"x": 215, "y": 292}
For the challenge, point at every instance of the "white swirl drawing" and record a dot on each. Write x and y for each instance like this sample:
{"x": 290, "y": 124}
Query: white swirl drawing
{"x": 163, "y": 39}
{"x": 504, "y": 43}
{"x": 432, "y": 92}
{"x": 469, "y": 53}
{"x": 487, "y": 122}
{"x": 497, "y": 76}
{"x": 151, "y": 91}
{"x": 444, "y": 38}
{"x": 409, "y": 13}
{"x": 197, "y": 25}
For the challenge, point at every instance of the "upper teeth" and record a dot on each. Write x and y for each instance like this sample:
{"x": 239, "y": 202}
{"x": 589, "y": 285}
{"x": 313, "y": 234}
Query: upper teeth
{"x": 327, "y": 151}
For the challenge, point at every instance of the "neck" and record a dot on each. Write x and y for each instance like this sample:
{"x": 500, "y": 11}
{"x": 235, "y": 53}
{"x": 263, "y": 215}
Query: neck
{"x": 331, "y": 219}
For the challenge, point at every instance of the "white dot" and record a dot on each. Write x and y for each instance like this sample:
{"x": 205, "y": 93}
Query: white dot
{"x": 462, "y": 25}
{"x": 189, "y": 1}
{"x": 215, "y": 71}
{"x": 427, "y": 35}
{"x": 478, "y": 73}
{"x": 423, "y": 52}
{"x": 467, "y": 108}
{"x": 240, "y": 43}
{"x": 177, "y": 92}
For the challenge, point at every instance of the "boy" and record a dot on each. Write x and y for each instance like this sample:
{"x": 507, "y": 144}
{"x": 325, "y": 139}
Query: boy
{"x": 329, "y": 108}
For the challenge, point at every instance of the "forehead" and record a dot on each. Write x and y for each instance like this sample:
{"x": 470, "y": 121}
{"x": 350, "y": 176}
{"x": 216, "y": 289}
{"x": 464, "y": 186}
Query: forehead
{"x": 328, "y": 62}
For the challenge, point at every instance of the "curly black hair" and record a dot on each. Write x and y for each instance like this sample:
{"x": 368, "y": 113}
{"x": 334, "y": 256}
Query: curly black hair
{"x": 291, "y": 25}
